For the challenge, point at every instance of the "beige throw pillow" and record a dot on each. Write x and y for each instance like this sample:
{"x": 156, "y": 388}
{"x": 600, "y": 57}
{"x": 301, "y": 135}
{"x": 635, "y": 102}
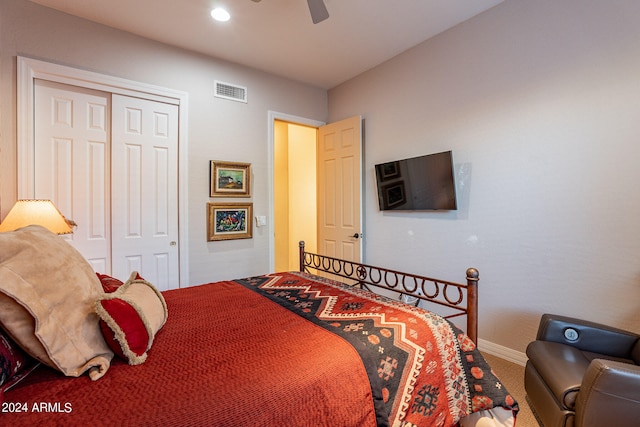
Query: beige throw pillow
{"x": 48, "y": 291}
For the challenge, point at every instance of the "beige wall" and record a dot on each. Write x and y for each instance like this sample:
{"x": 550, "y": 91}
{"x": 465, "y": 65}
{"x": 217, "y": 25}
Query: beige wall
{"x": 539, "y": 101}
{"x": 217, "y": 129}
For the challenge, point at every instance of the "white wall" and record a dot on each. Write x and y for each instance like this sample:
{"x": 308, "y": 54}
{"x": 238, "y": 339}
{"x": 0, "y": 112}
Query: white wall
{"x": 218, "y": 129}
{"x": 540, "y": 103}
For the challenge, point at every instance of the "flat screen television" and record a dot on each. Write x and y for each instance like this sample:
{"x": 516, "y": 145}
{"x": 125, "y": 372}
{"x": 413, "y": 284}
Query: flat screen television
{"x": 417, "y": 184}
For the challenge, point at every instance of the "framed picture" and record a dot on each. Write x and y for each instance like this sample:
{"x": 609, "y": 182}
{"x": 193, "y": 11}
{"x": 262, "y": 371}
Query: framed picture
{"x": 227, "y": 221}
{"x": 230, "y": 179}
{"x": 393, "y": 194}
{"x": 390, "y": 170}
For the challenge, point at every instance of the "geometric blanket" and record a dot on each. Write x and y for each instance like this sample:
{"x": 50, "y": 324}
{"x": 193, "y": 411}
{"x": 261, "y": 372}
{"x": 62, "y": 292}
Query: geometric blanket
{"x": 424, "y": 371}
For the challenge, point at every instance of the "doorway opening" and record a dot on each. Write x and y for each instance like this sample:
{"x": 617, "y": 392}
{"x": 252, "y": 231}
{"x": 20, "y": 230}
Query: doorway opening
{"x": 294, "y": 192}
{"x": 337, "y": 190}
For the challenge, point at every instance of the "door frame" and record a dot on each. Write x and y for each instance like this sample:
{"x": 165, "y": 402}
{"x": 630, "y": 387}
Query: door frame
{"x": 272, "y": 117}
{"x": 31, "y": 69}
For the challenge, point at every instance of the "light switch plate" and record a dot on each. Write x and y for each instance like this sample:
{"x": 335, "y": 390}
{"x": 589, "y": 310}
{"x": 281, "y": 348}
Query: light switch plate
{"x": 261, "y": 221}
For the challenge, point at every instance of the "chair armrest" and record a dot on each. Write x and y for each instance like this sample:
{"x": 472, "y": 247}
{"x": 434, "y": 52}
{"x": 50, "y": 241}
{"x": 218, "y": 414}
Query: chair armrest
{"x": 587, "y": 336}
{"x": 609, "y": 395}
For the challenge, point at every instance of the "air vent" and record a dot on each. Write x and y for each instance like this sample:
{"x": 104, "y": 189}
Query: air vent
{"x": 230, "y": 91}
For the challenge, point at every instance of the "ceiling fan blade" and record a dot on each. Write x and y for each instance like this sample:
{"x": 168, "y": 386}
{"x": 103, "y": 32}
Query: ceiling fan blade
{"x": 318, "y": 10}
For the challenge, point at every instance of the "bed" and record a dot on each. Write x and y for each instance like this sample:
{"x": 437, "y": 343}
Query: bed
{"x": 291, "y": 348}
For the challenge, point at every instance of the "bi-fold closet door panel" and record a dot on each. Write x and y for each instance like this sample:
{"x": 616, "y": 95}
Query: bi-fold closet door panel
{"x": 72, "y": 129}
{"x": 144, "y": 188}
{"x": 109, "y": 162}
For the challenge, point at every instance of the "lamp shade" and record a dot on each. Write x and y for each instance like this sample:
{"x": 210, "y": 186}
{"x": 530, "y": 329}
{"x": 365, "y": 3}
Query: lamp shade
{"x": 36, "y": 212}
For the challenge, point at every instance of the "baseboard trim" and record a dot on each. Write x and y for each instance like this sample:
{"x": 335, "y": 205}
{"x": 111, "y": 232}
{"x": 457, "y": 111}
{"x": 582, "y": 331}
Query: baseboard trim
{"x": 502, "y": 352}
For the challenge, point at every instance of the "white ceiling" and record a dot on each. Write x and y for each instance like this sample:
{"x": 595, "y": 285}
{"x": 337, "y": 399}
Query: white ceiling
{"x": 278, "y": 36}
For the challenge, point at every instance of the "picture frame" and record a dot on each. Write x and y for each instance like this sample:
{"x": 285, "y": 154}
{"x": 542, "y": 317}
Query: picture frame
{"x": 229, "y": 221}
{"x": 229, "y": 179}
{"x": 394, "y": 194}
{"x": 390, "y": 170}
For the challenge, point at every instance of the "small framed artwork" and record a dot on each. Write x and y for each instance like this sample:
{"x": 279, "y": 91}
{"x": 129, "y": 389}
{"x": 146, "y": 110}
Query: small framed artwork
{"x": 393, "y": 194}
{"x": 390, "y": 170}
{"x": 227, "y": 221}
{"x": 230, "y": 179}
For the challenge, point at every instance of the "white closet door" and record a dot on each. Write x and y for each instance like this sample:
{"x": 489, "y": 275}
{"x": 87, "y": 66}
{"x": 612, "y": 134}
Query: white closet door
{"x": 144, "y": 192}
{"x": 109, "y": 162}
{"x": 72, "y": 127}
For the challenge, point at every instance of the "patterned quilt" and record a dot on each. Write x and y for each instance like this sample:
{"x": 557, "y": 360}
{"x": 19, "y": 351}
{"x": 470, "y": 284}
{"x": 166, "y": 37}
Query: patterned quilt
{"x": 424, "y": 370}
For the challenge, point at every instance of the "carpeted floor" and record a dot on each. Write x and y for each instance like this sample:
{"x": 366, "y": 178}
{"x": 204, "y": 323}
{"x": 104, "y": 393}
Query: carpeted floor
{"x": 512, "y": 376}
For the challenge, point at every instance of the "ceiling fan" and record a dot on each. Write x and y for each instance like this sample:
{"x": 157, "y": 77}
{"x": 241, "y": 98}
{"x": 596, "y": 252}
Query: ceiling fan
{"x": 317, "y": 8}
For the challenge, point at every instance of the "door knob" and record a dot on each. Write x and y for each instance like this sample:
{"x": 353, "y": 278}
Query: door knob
{"x": 356, "y": 236}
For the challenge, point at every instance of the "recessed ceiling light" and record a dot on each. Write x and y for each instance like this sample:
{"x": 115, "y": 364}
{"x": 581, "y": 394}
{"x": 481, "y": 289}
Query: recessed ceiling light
{"x": 219, "y": 14}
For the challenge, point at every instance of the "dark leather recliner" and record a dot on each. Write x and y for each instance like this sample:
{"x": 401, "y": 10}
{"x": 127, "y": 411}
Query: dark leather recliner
{"x": 583, "y": 374}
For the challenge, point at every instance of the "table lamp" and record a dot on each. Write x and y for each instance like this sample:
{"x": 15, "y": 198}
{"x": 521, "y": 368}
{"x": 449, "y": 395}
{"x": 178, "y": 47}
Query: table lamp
{"x": 37, "y": 212}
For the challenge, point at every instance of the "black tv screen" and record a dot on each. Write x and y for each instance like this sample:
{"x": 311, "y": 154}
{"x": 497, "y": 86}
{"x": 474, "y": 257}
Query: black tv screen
{"x": 416, "y": 184}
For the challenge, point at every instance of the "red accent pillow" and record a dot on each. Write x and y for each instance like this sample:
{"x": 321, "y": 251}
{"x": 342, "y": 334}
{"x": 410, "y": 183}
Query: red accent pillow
{"x": 111, "y": 284}
{"x": 130, "y": 317}
{"x": 132, "y": 326}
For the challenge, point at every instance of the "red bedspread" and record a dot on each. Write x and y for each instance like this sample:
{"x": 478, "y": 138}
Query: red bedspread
{"x": 276, "y": 350}
{"x": 226, "y": 357}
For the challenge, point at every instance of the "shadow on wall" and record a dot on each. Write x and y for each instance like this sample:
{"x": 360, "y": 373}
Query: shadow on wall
{"x": 522, "y": 323}
{"x": 631, "y": 317}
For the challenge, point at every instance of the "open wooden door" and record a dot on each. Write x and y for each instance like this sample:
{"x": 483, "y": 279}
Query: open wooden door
{"x": 340, "y": 189}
